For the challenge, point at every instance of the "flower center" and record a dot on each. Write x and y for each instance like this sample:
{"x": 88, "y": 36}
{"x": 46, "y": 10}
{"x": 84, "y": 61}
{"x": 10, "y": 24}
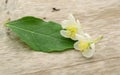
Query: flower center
{"x": 84, "y": 45}
{"x": 72, "y": 30}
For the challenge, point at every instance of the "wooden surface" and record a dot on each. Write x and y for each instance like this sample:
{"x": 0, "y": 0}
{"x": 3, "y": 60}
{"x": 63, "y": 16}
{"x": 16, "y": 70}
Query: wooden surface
{"x": 98, "y": 17}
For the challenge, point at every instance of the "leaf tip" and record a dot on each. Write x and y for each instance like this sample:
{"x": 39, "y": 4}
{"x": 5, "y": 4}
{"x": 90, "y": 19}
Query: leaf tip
{"x": 6, "y": 21}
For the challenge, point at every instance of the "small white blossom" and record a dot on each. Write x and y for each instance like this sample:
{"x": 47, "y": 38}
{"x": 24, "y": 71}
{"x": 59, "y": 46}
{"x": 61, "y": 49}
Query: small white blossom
{"x": 71, "y": 27}
{"x": 86, "y": 45}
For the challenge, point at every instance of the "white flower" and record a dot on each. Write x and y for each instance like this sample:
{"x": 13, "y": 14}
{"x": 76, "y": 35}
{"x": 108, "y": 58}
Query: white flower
{"x": 71, "y": 27}
{"x": 86, "y": 45}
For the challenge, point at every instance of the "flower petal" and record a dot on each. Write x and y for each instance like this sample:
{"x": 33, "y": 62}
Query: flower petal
{"x": 74, "y": 38}
{"x": 64, "y": 33}
{"x": 76, "y": 45}
{"x": 71, "y": 17}
{"x": 78, "y": 24}
{"x": 71, "y": 22}
{"x": 65, "y": 23}
{"x": 89, "y": 53}
{"x": 79, "y": 27}
{"x": 80, "y": 37}
{"x": 87, "y": 36}
{"x": 84, "y": 36}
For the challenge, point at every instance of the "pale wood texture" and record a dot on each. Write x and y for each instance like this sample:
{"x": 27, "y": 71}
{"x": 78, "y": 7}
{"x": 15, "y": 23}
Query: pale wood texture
{"x": 98, "y": 17}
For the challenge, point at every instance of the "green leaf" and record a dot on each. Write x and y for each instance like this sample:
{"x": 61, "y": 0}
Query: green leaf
{"x": 40, "y": 35}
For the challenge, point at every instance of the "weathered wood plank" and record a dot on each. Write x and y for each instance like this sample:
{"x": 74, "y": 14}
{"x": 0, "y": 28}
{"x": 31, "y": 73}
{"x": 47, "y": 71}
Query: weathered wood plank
{"x": 97, "y": 17}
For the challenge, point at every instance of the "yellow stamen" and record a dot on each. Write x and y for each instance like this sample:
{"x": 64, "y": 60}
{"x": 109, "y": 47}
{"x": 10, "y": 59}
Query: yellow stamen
{"x": 72, "y": 30}
{"x": 84, "y": 45}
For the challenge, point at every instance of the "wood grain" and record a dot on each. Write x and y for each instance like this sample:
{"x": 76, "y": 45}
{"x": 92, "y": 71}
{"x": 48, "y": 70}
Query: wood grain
{"x": 98, "y": 17}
